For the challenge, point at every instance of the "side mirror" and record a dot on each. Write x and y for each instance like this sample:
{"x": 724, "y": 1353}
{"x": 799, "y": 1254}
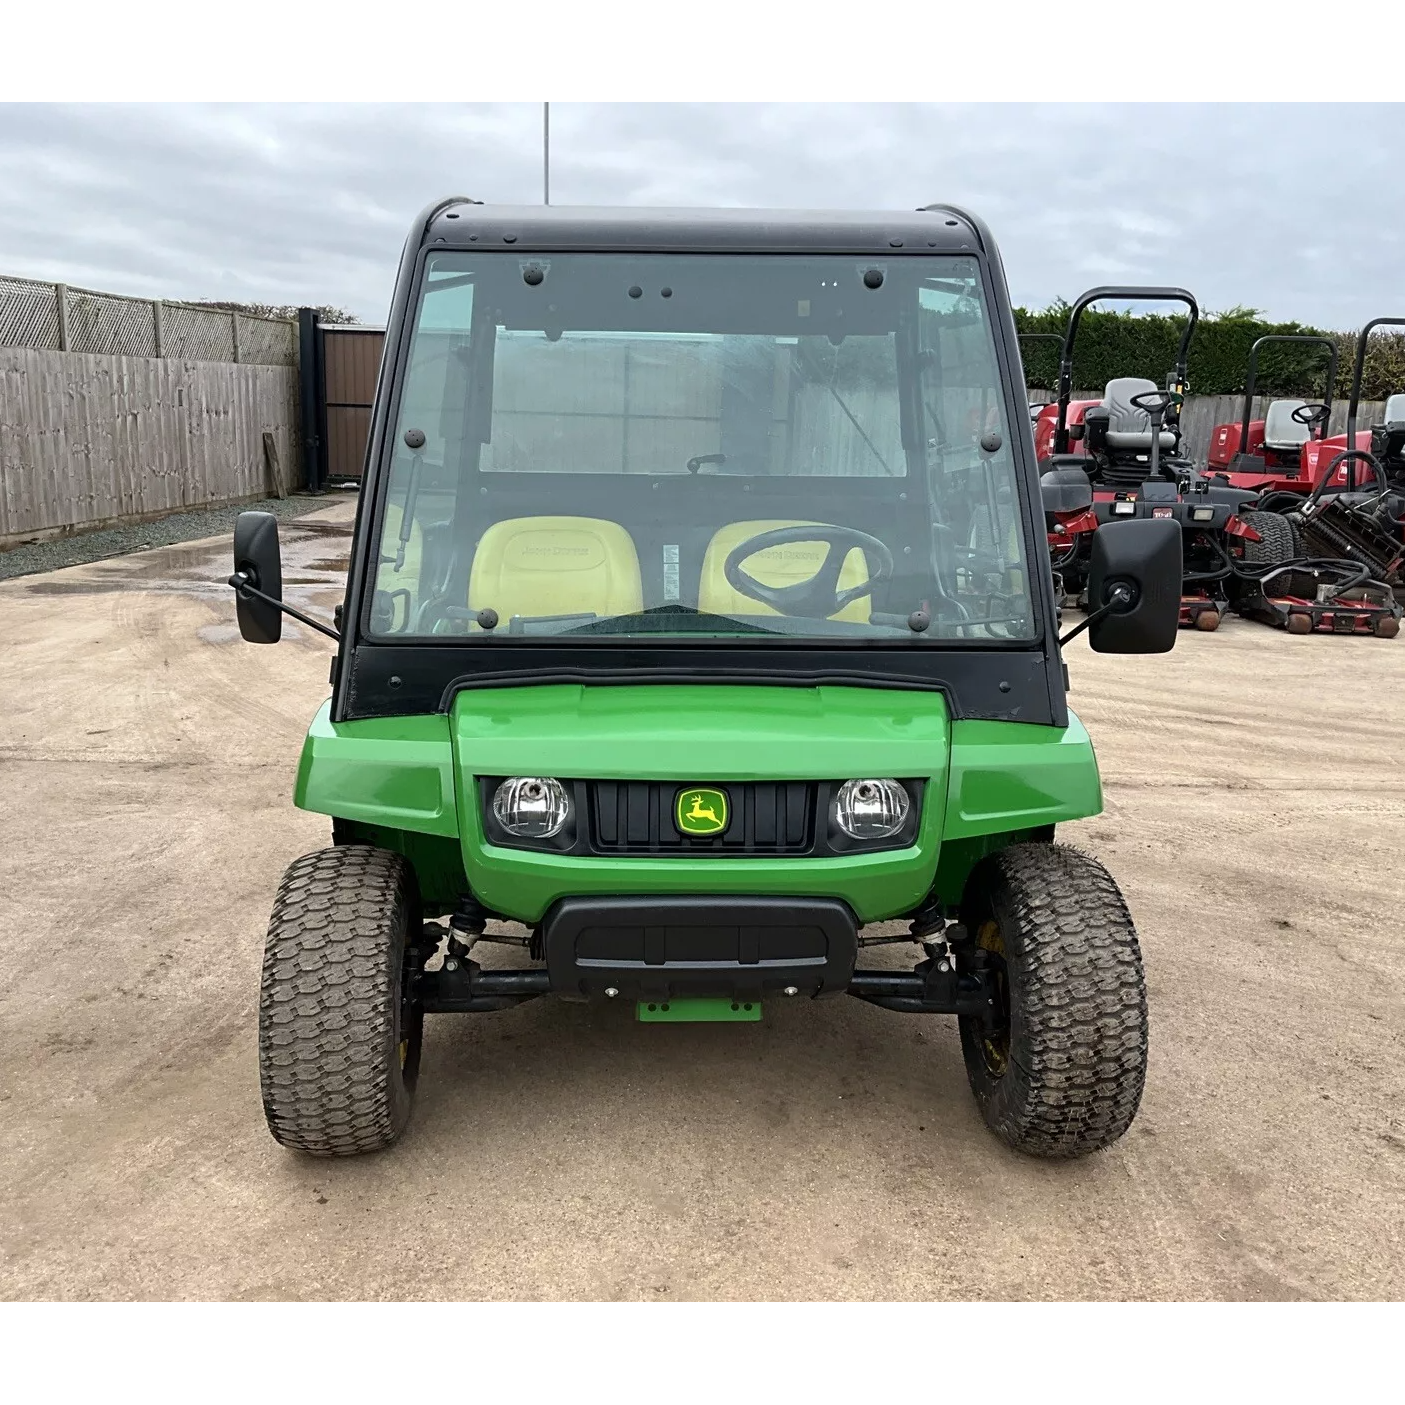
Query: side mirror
{"x": 1134, "y": 586}
{"x": 1066, "y": 490}
{"x": 257, "y": 558}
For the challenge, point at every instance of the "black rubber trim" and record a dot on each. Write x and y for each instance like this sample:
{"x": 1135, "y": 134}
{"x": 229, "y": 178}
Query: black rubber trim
{"x": 624, "y": 677}
{"x": 994, "y": 683}
{"x": 749, "y": 948}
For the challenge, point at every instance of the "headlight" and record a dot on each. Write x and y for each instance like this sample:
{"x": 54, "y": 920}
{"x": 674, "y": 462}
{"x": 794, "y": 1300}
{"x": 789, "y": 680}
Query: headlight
{"x": 1124, "y": 509}
{"x": 1202, "y": 514}
{"x": 870, "y": 809}
{"x": 532, "y": 807}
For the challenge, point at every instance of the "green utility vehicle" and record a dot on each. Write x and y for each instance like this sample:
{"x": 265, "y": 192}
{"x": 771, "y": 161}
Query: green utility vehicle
{"x": 699, "y": 615}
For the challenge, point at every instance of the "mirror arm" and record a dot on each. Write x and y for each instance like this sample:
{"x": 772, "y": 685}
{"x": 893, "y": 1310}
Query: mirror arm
{"x": 244, "y": 586}
{"x": 1120, "y": 596}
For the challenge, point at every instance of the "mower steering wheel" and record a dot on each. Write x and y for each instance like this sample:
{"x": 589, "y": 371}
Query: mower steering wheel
{"x": 1310, "y": 414}
{"x": 1160, "y": 401}
{"x": 820, "y": 596}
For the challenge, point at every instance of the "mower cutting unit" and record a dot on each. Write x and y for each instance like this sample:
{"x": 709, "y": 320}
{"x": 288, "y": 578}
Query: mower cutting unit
{"x": 1331, "y": 523}
{"x": 699, "y": 614}
{"x": 1120, "y": 458}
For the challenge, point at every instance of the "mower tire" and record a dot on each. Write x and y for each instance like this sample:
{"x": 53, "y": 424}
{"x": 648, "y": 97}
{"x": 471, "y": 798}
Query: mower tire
{"x": 1064, "y": 1075}
{"x": 339, "y": 1043}
{"x": 1276, "y": 545}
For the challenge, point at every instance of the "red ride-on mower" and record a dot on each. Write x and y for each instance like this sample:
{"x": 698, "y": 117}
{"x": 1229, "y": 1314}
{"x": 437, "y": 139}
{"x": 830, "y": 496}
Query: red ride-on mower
{"x": 1282, "y": 447}
{"x": 1126, "y": 447}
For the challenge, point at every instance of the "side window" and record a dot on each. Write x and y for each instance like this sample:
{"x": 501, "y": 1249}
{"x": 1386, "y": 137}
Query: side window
{"x": 420, "y": 491}
{"x": 974, "y": 497}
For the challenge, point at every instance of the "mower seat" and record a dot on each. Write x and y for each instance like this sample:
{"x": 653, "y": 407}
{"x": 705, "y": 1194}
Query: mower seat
{"x": 775, "y": 566}
{"x": 1281, "y": 431}
{"x": 1065, "y": 487}
{"x": 555, "y": 566}
{"x": 1388, "y": 437}
{"x": 1129, "y": 428}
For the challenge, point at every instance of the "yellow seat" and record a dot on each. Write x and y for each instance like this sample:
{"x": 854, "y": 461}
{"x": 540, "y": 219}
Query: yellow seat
{"x": 775, "y": 566}
{"x": 555, "y": 566}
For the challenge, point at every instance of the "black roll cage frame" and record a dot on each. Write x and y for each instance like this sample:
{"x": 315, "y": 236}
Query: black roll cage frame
{"x": 1251, "y": 380}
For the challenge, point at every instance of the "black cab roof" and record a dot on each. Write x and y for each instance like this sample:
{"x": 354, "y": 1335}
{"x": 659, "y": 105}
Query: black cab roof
{"x": 461, "y": 221}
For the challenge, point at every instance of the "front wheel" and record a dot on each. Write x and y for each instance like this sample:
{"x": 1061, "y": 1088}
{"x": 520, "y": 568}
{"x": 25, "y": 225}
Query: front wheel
{"x": 1060, "y": 1072}
{"x": 339, "y": 1039}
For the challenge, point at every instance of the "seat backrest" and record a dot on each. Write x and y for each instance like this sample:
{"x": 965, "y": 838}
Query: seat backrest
{"x": 1281, "y": 430}
{"x": 536, "y": 566}
{"x": 1395, "y": 410}
{"x": 775, "y": 566}
{"x": 1129, "y": 427}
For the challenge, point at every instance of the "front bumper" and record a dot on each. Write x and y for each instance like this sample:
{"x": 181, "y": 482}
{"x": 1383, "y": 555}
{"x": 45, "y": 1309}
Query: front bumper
{"x": 667, "y": 948}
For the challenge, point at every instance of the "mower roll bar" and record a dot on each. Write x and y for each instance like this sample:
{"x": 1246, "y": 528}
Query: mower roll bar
{"x": 1252, "y": 379}
{"x": 1126, "y": 295}
{"x": 1356, "y": 376}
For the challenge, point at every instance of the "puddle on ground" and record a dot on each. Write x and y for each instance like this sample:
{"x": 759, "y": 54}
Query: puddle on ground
{"x": 312, "y": 580}
{"x": 317, "y": 529}
{"x": 44, "y": 587}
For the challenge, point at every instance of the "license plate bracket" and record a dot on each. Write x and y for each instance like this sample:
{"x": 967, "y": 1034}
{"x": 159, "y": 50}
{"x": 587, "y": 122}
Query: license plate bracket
{"x": 697, "y": 1009}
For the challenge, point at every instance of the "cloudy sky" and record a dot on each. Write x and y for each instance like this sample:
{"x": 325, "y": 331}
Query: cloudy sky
{"x": 1243, "y": 204}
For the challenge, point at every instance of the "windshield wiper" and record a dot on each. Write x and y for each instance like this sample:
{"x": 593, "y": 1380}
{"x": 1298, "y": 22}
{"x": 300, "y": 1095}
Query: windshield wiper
{"x": 667, "y": 619}
{"x": 839, "y": 399}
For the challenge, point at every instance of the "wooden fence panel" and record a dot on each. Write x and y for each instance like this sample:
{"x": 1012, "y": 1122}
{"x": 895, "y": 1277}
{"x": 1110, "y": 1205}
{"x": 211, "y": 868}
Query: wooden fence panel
{"x": 87, "y": 439}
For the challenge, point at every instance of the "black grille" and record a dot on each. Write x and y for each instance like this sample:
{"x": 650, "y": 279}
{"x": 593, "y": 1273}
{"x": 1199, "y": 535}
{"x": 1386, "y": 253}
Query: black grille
{"x": 765, "y": 819}
{"x": 637, "y": 817}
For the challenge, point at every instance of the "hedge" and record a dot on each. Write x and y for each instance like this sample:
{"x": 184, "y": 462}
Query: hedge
{"x": 1112, "y": 344}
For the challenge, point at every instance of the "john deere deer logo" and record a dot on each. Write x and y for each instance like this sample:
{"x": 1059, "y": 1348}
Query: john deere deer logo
{"x": 701, "y": 812}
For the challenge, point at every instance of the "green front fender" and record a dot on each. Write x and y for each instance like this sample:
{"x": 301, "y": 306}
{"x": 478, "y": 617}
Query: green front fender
{"x": 408, "y": 783}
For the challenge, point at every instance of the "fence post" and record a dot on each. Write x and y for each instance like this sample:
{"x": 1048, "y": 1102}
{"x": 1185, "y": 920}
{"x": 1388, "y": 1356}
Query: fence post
{"x": 234, "y": 324}
{"x": 156, "y": 327}
{"x": 61, "y": 298}
{"x": 310, "y": 382}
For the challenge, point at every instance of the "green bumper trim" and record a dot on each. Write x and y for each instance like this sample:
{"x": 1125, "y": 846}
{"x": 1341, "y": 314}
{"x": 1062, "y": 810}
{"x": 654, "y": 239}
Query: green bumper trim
{"x": 1014, "y": 776}
{"x": 395, "y": 772}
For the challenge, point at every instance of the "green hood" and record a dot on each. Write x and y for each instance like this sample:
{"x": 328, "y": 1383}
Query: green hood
{"x": 701, "y": 732}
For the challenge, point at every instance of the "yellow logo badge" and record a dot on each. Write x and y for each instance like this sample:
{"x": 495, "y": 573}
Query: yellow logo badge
{"x": 701, "y": 811}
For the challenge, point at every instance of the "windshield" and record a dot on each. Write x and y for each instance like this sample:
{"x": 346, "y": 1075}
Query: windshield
{"x": 703, "y": 445}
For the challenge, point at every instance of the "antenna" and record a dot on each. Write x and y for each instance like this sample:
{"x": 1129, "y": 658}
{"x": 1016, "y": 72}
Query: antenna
{"x": 546, "y": 153}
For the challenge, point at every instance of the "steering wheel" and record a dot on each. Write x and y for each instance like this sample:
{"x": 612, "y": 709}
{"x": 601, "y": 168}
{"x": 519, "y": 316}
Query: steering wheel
{"x": 1310, "y": 414}
{"x": 1154, "y": 402}
{"x": 820, "y": 596}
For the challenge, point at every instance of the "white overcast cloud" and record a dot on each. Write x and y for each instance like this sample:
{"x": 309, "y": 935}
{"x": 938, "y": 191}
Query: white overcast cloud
{"x": 1296, "y": 209}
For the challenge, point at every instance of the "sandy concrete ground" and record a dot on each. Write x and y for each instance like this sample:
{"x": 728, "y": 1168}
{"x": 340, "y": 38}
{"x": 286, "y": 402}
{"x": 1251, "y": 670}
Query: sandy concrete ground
{"x": 1256, "y": 812}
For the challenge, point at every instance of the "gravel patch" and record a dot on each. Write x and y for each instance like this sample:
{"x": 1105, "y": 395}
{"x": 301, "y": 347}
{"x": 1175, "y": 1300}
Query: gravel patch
{"x": 58, "y": 552}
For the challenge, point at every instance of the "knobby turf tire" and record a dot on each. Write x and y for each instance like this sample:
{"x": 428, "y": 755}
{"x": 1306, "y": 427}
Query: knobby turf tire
{"x": 331, "y": 1027}
{"x": 1277, "y": 544}
{"x": 1075, "y": 1063}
